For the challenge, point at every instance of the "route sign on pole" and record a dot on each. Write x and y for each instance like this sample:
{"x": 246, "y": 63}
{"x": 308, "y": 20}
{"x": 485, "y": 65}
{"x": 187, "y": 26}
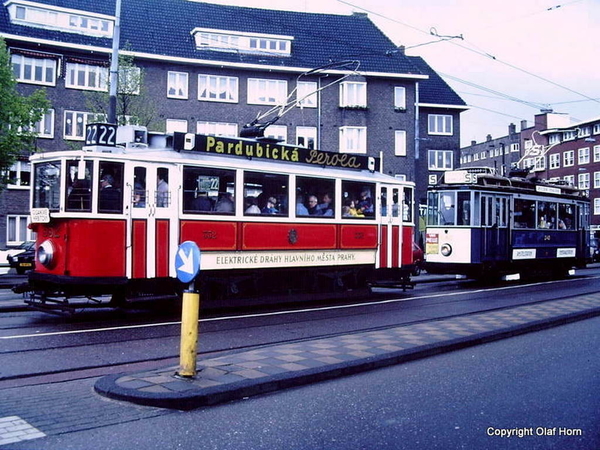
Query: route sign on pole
{"x": 187, "y": 261}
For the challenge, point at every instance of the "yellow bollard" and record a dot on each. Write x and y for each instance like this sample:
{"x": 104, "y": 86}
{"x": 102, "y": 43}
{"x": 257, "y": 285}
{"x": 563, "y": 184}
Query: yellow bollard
{"x": 189, "y": 334}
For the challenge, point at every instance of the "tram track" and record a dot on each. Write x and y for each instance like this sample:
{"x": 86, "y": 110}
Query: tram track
{"x": 315, "y": 322}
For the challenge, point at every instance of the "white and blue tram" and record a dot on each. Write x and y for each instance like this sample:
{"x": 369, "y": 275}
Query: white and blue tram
{"x": 482, "y": 225}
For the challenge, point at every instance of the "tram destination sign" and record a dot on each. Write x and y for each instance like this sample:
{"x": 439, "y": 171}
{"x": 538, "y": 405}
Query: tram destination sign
{"x": 271, "y": 151}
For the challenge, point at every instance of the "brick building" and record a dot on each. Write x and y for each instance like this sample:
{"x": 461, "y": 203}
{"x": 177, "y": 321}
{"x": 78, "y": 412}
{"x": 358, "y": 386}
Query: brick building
{"x": 211, "y": 69}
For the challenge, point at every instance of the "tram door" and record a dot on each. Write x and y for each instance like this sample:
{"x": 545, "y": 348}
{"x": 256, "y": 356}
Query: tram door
{"x": 153, "y": 228}
{"x": 494, "y": 217}
{"x": 390, "y": 228}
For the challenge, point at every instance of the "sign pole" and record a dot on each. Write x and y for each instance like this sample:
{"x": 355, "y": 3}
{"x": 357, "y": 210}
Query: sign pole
{"x": 189, "y": 333}
{"x": 187, "y": 265}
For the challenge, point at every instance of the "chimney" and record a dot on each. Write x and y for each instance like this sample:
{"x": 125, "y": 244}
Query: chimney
{"x": 523, "y": 124}
{"x": 488, "y": 138}
{"x": 473, "y": 143}
{"x": 512, "y": 129}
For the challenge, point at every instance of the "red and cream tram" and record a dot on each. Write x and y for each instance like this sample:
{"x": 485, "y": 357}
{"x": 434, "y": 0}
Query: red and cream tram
{"x": 267, "y": 218}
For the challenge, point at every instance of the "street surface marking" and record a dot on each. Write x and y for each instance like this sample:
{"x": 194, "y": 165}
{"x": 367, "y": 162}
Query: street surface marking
{"x": 281, "y": 313}
{"x": 14, "y": 429}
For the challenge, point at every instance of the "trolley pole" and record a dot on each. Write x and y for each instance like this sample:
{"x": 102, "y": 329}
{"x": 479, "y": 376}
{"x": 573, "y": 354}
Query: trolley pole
{"x": 187, "y": 265}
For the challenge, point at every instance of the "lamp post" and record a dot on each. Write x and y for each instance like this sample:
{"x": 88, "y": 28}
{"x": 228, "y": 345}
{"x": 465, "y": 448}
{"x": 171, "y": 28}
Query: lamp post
{"x": 114, "y": 66}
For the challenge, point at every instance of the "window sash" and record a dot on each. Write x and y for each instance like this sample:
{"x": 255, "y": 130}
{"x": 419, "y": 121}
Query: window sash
{"x": 353, "y": 140}
{"x": 267, "y": 92}
{"x": 353, "y": 93}
{"x": 400, "y": 143}
{"x": 177, "y": 85}
{"x": 440, "y": 159}
{"x": 217, "y": 89}
{"x": 86, "y": 76}
{"x": 399, "y": 97}
{"x": 34, "y": 70}
{"x": 440, "y": 124}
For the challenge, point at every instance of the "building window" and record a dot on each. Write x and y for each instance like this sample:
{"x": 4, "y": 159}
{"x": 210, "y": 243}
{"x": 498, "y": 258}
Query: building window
{"x": 217, "y": 89}
{"x": 86, "y": 76}
{"x": 554, "y": 138}
{"x": 19, "y": 174}
{"x": 211, "y": 39}
{"x": 400, "y": 98}
{"x": 353, "y": 94}
{"x": 17, "y": 231}
{"x": 596, "y": 153}
{"x": 440, "y": 124}
{"x": 177, "y": 85}
{"x": 569, "y": 158}
{"x": 353, "y": 140}
{"x": 569, "y": 135}
{"x": 583, "y": 155}
{"x": 583, "y": 181}
{"x": 540, "y": 163}
{"x": 306, "y": 137}
{"x": 596, "y": 180}
{"x": 570, "y": 179}
{"x": 584, "y": 131}
{"x": 440, "y": 159}
{"x": 400, "y": 143}
{"x": 596, "y": 128}
{"x": 40, "y": 17}
{"x": 217, "y": 128}
{"x": 75, "y": 122}
{"x": 515, "y": 147}
{"x": 555, "y": 161}
{"x": 174, "y": 125}
{"x": 277, "y": 132}
{"x": 267, "y": 92}
{"x": 307, "y": 94}
{"x": 597, "y": 206}
{"x": 34, "y": 70}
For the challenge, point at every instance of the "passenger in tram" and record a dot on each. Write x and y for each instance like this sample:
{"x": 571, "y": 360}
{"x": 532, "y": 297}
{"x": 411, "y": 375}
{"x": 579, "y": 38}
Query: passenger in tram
{"x": 313, "y": 204}
{"x": 301, "y": 210}
{"x": 225, "y": 203}
{"x": 110, "y": 197}
{"x": 365, "y": 204}
{"x": 80, "y": 195}
{"x": 202, "y": 202}
{"x": 271, "y": 206}
{"x": 252, "y": 206}
{"x": 139, "y": 196}
{"x": 162, "y": 189}
{"x": 324, "y": 208}
{"x": 349, "y": 209}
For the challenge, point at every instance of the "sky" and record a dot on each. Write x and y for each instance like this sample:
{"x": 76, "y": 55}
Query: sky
{"x": 507, "y": 59}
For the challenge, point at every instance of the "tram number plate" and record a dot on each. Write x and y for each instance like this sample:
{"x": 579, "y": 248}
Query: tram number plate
{"x": 101, "y": 134}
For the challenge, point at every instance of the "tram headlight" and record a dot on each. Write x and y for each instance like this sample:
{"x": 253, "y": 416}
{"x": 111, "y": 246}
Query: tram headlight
{"x": 45, "y": 253}
{"x": 446, "y": 249}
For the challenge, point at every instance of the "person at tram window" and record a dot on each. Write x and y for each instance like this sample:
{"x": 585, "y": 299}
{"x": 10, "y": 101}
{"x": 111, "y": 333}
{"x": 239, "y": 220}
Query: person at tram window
{"x": 139, "y": 196}
{"x": 313, "y": 204}
{"x": 252, "y": 206}
{"x": 301, "y": 210}
{"x": 349, "y": 209}
{"x": 324, "y": 208}
{"x": 202, "y": 202}
{"x": 225, "y": 203}
{"x": 80, "y": 195}
{"x": 271, "y": 206}
{"x": 110, "y": 197}
{"x": 162, "y": 189}
{"x": 365, "y": 204}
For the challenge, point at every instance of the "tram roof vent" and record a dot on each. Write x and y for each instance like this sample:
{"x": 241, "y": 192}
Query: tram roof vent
{"x": 481, "y": 170}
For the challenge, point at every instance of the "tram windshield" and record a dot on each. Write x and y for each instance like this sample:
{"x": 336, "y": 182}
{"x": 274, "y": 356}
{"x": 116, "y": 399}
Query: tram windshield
{"x": 449, "y": 208}
{"x": 46, "y": 192}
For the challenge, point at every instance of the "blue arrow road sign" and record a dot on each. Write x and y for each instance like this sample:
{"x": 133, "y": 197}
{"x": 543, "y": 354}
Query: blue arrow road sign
{"x": 187, "y": 261}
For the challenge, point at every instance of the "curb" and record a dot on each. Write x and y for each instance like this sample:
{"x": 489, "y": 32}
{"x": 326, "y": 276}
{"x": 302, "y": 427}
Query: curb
{"x": 194, "y": 398}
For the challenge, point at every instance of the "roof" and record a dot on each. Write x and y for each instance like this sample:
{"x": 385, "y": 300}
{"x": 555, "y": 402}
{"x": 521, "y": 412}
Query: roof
{"x": 434, "y": 90}
{"x": 163, "y": 28}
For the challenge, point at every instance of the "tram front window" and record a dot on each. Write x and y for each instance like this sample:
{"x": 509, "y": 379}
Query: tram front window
{"x": 46, "y": 193}
{"x": 110, "y": 196}
{"x": 79, "y": 186}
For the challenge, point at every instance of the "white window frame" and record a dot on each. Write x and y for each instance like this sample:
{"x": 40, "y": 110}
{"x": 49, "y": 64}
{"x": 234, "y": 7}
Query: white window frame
{"x": 18, "y": 168}
{"x": 306, "y": 135}
{"x": 554, "y": 161}
{"x": 173, "y": 125}
{"x": 583, "y": 180}
{"x": 597, "y": 206}
{"x": 32, "y": 65}
{"x": 596, "y": 180}
{"x": 177, "y": 84}
{"x": 596, "y": 153}
{"x": 306, "y": 93}
{"x": 215, "y": 88}
{"x": 353, "y": 140}
{"x": 400, "y": 142}
{"x": 515, "y": 147}
{"x": 596, "y": 129}
{"x": 569, "y": 158}
{"x": 91, "y": 74}
{"x": 570, "y": 179}
{"x": 400, "y": 98}
{"x": 262, "y": 91}
{"x": 353, "y": 94}
{"x": 440, "y": 124}
{"x": 278, "y": 132}
{"x": 447, "y": 162}
{"x": 554, "y": 138}
{"x": 19, "y": 231}
{"x": 81, "y": 118}
{"x": 583, "y": 156}
{"x": 217, "y": 128}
